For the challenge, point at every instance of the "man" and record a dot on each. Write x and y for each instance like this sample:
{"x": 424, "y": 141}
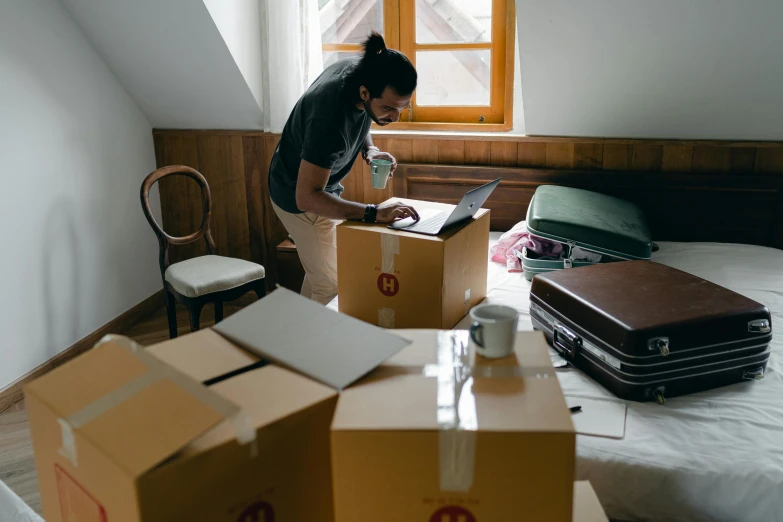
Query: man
{"x": 326, "y": 130}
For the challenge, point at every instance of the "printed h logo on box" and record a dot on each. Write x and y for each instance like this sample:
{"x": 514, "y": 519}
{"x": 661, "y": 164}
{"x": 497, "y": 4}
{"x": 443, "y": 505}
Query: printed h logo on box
{"x": 452, "y": 514}
{"x": 388, "y": 284}
{"x": 258, "y": 512}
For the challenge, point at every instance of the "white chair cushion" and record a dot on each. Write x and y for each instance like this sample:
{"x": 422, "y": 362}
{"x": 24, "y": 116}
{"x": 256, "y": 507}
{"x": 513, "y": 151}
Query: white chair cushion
{"x": 207, "y": 274}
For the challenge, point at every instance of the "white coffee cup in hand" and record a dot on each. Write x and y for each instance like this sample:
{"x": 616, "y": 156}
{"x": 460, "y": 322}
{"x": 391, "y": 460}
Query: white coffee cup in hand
{"x": 494, "y": 330}
{"x": 380, "y": 170}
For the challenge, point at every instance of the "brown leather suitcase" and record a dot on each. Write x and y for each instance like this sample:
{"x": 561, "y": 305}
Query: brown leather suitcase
{"x": 647, "y": 331}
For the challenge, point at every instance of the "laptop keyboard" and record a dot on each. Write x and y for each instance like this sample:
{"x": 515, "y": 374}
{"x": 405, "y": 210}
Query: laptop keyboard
{"x": 429, "y": 225}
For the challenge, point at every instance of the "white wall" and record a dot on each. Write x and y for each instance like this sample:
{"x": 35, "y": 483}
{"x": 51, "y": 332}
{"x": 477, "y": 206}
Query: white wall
{"x": 171, "y": 58}
{"x": 77, "y": 251}
{"x": 708, "y": 69}
{"x": 239, "y": 22}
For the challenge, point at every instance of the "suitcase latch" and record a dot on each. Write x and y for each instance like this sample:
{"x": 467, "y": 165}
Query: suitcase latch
{"x": 660, "y": 345}
{"x": 756, "y": 374}
{"x": 566, "y": 341}
{"x": 759, "y": 326}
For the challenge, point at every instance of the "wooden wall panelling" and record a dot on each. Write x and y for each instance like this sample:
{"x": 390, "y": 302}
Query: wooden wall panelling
{"x": 769, "y": 160}
{"x": 424, "y": 151}
{"x": 646, "y": 158}
{"x": 222, "y": 164}
{"x": 274, "y": 231}
{"x": 354, "y": 182}
{"x": 723, "y": 159}
{"x": 680, "y": 207}
{"x": 254, "y": 152}
{"x": 451, "y": 152}
{"x": 676, "y": 158}
{"x": 181, "y": 213}
{"x": 477, "y": 152}
{"x": 560, "y": 155}
{"x": 531, "y": 154}
{"x": 617, "y": 156}
{"x": 236, "y": 165}
{"x": 589, "y": 156}
{"x": 741, "y": 159}
{"x": 401, "y": 149}
{"x": 503, "y": 154}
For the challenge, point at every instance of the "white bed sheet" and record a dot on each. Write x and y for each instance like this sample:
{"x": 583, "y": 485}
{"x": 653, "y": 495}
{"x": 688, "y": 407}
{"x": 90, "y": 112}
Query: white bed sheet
{"x": 710, "y": 456}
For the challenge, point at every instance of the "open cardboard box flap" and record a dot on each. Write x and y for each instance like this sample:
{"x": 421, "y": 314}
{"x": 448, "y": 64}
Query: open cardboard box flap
{"x": 128, "y": 405}
{"x": 140, "y": 407}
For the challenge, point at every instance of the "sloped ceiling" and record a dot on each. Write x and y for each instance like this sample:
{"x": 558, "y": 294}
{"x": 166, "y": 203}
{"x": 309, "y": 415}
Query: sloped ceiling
{"x": 700, "y": 69}
{"x": 172, "y": 59}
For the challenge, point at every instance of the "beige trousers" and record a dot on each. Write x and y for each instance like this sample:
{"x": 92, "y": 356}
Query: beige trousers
{"x": 316, "y": 243}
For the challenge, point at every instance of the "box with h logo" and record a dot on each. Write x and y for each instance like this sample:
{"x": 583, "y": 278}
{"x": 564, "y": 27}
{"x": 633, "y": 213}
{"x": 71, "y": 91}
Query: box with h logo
{"x": 398, "y": 279}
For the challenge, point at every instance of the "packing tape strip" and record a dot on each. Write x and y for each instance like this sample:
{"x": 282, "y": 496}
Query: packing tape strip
{"x": 466, "y": 272}
{"x": 386, "y": 317}
{"x": 158, "y": 370}
{"x": 457, "y": 416}
{"x": 390, "y": 247}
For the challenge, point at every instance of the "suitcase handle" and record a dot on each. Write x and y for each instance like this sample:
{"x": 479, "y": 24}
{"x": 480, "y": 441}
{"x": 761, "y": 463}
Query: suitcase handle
{"x": 565, "y": 340}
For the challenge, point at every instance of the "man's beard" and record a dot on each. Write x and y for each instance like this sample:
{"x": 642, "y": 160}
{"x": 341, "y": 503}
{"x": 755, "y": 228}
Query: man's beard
{"x": 372, "y": 114}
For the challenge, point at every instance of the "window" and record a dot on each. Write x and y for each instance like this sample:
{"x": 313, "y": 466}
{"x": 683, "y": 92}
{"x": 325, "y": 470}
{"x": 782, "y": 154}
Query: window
{"x": 463, "y": 51}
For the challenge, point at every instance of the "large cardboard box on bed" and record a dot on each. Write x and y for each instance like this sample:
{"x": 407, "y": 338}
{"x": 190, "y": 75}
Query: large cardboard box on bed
{"x": 425, "y": 438}
{"x": 397, "y": 279}
{"x": 197, "y": 428}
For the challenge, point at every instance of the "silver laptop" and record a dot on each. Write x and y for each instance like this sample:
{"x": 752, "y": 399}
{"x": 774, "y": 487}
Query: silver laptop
{"x": 435, "y": 224}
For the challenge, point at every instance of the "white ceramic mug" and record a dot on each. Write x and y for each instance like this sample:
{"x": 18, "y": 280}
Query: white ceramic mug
{"x": 494, "y": 330}
{"x": 380, "y": 170}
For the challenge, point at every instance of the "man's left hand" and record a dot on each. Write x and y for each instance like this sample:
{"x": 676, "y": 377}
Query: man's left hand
{"x": 375, "y": 154}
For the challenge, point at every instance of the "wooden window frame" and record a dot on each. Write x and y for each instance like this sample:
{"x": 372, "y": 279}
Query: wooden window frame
{"x": 399, "y": 20}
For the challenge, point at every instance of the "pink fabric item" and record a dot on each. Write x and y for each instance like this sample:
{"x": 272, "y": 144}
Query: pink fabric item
{"x": 503, "y": 251}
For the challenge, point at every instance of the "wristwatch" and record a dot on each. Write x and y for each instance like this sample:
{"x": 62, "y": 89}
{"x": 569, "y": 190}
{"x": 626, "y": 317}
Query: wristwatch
{"x": 370, "y": 212}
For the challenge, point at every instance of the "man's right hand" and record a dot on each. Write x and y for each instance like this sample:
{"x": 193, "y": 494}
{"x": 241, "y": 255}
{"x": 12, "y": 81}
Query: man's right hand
{"x": 395, "y": 211}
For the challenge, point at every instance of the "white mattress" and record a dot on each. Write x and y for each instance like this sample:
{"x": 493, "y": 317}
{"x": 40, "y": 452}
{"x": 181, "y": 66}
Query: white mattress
{"x": 710, "y": 456}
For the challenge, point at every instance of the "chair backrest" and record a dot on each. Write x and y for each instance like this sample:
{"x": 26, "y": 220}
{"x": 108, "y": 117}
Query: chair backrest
{"x": 165, "y": 240}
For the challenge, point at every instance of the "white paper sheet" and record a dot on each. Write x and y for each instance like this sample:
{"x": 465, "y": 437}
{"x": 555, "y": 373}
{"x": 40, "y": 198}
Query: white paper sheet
{"x": 598, "y": 418}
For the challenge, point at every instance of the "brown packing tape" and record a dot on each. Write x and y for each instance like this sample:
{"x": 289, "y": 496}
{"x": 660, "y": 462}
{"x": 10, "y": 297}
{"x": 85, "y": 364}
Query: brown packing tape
{"x": 158, "y": 370}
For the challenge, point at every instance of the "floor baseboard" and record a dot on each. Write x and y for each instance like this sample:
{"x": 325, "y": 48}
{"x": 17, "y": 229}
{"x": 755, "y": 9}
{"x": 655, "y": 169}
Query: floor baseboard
{"x": 14, "y": 393}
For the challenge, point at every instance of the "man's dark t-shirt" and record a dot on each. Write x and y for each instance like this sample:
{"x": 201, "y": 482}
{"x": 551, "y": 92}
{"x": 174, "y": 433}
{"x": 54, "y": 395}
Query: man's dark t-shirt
{"x": 326, "y": 129}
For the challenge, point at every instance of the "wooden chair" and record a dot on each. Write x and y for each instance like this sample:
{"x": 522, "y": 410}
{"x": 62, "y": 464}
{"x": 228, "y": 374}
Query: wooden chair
{"x": 204, "y": 279}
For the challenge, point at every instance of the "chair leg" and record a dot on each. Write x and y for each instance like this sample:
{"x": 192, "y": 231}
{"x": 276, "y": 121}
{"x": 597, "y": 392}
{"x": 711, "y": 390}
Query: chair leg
{"x": 195, "y": 316}
{"x": 218, "y": 311}
{"x": 171, "y": 312}
{"x": 260, "y": 288}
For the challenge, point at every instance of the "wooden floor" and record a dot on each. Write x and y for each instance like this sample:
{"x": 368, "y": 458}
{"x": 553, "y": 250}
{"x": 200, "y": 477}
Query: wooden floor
{"x": 17, "y": 466}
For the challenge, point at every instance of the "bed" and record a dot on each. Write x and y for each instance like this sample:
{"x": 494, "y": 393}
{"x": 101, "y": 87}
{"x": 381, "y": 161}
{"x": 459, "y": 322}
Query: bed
{"x": 710, "y": 456}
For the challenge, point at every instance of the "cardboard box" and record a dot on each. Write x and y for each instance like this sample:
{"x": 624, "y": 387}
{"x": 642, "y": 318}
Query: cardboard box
{"x": 425, "y": 438}
{"x": 198, "y": 429}
{"x": 397, "y": 279}
{"x": 586, "y": 505}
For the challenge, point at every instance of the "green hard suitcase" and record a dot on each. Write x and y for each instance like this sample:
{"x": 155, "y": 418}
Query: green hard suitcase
{"x": 605, "y": 226}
